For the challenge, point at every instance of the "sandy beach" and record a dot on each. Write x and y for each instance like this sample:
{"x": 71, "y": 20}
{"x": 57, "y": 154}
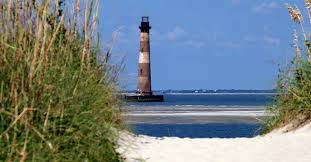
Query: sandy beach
{"x": 275, "y": 147}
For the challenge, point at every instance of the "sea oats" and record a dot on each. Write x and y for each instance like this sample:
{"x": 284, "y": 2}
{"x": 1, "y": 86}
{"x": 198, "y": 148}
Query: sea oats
{"x": 294, "y": 13}
{"x": 42, "y": 86}
{"x": 77, "y": 6}
{"x": 296, "y": 45}
{"x": 308, "y": 6}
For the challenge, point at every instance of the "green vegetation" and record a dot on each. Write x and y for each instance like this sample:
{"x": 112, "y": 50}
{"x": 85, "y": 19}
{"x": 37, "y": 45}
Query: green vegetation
{"x": 293, "y": 104}
{"x": 57, "y": 98}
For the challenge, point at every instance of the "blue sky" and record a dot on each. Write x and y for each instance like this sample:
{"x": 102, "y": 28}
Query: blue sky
{"x": 202, "y": 44}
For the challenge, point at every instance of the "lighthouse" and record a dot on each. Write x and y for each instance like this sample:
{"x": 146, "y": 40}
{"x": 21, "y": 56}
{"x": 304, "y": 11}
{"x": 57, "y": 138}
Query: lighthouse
{"x": 144, "y": 72}
{"x": 144, "y": 91}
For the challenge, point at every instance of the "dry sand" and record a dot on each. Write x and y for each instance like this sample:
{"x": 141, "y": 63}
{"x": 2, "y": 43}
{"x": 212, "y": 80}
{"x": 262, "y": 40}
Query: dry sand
{"x": 275, "y": 147}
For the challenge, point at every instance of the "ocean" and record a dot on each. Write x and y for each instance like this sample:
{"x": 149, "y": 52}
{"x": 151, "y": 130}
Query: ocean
{"x": 212, "y": 115}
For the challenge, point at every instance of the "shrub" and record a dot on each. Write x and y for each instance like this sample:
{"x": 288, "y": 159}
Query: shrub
{"x": 293, "y": 103}
{"x": 57, "y": 102}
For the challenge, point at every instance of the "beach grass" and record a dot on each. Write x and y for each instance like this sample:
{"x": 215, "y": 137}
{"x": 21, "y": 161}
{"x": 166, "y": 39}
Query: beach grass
{"x": 57, "y": 99}
{"x": 292, "y": 106}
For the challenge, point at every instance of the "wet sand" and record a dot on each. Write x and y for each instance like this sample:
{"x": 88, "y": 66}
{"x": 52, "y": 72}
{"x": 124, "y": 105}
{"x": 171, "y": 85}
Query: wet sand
{"x": 193, "y": 114}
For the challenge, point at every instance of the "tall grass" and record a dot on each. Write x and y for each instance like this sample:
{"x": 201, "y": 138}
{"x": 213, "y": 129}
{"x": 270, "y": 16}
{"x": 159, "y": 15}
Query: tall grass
{"x": 57, "y": 101}
{"x": 292, "y": 107}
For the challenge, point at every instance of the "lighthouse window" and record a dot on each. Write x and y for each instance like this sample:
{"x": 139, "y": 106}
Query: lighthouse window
{"x": 141, "y": 71}
{"x": 142, "y": 49}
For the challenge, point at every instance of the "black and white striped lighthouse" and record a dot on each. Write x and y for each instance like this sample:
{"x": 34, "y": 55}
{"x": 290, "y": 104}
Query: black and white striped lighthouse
{"x": 144, "y": 72}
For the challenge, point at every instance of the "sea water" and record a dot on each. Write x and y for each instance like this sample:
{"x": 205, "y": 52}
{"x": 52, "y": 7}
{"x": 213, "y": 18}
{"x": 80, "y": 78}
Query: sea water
{"x": 193, "y": 102}
{"x": 213, "y": 99}
{"x": 209, "y": 130}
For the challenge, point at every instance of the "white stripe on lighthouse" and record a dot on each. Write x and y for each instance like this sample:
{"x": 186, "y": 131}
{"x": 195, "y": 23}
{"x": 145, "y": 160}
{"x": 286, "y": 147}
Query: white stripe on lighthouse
{"x": 144, "y": 57}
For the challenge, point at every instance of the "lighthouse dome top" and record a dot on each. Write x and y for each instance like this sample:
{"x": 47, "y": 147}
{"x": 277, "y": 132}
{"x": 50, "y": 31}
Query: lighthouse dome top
{"x": 145, "y": 19}
{"x": 145, "y": 26}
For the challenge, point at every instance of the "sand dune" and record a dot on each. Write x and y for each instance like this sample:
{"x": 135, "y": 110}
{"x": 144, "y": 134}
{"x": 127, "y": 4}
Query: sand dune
{"x": 275, "y": 147}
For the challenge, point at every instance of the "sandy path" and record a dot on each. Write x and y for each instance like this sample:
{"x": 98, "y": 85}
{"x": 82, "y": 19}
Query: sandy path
{"x": 274, "y": 147}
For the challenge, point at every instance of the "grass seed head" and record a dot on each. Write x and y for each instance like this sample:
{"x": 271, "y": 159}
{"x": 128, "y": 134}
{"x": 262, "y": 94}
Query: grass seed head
{"x": 294, "y": 13}
{"x": 308, "y": 4}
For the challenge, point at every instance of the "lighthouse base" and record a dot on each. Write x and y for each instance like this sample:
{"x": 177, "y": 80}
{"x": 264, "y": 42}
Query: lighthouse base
{"x": 152, "y": 98}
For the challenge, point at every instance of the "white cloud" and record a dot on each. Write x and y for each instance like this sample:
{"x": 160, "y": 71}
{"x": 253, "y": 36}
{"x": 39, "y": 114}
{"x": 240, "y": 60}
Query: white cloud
{"x": 195, "y": 43}
{"x": 179, "y": 36}
{"x": 230, "y": 44}
{"x": 272, "y": 40}
{"x": 250, "y": 39}
{"x": 266, "y": 7}
{"x": 176, "y": 33}
{"x": 266, "y": 39}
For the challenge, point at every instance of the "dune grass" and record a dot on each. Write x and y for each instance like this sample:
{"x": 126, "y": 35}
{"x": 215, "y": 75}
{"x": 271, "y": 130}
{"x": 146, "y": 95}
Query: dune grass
{"x": 57, "y": 99}
{"x": 292, "y": 106}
